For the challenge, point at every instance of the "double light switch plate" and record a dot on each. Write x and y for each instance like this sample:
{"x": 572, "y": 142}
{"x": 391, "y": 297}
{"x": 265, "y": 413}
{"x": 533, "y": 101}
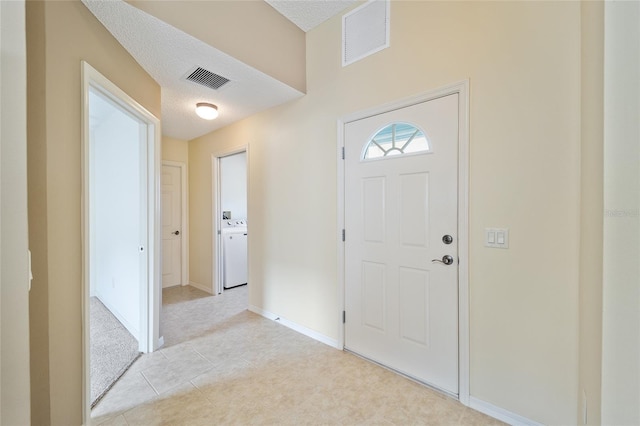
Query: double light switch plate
{"x": 496, "y": 237}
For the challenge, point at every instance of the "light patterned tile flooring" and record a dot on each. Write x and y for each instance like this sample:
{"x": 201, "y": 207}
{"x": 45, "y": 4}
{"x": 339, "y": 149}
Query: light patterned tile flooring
{"x": 222, "y": 364}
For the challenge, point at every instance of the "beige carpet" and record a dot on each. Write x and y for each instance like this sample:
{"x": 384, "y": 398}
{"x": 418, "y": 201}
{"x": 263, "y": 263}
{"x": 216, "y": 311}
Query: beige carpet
{"x": 113, "y": 349}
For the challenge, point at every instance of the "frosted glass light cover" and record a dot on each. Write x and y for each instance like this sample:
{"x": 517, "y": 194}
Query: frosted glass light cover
{"x": 206, "y": 110}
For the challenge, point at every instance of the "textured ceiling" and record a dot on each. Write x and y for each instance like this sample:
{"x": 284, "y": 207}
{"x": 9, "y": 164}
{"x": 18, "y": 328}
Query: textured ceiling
{"x": 308, "y": 14}
{"x": 169, "y": 55}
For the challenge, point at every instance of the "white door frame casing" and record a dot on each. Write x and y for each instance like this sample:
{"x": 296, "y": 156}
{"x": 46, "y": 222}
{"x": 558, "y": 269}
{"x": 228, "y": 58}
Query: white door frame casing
{"x": 184, "y": 206}
{"x": 462, "y": 89}
{"x": 216, "y": 215}
{"x": 150, "y": 293}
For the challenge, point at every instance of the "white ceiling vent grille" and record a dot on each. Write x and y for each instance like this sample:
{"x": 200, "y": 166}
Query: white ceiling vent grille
{"x": 365, "y": 30}
{"x": 207, "y": 78}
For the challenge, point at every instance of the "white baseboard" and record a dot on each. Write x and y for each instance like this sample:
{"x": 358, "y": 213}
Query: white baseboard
{"x": 135, "y": 332}
{"x": 200, "y": 287}
{"x": 296, "y": 327}
{"x": 500, "y": 413}
{"x": 475, "y": 403}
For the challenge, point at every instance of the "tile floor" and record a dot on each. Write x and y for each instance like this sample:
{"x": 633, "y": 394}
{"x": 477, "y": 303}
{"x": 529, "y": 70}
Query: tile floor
{"x": 222, "y": 364}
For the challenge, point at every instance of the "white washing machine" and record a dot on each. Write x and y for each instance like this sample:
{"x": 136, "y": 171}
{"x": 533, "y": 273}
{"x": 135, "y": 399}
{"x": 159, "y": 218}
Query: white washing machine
{"x": 234, "y": 250}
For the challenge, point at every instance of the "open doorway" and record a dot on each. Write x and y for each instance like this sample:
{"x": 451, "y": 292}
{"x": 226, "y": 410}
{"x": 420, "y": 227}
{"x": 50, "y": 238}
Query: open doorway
{"x": 121, "y": 294}
{"x": 230, "y": 183}
{"x": 117, "y": 225}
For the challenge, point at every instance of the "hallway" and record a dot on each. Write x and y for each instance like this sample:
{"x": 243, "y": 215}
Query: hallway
{"x": 222, "y": 364}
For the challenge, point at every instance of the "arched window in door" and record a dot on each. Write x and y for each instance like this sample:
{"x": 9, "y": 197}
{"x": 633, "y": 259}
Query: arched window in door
{"x": 396, "y": 139}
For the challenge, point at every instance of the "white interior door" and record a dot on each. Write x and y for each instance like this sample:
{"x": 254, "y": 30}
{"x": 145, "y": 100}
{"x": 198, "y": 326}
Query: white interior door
{"x": 119, "y": 218}
{"x": 401, "y": 201}
{"x": 171, "y": 226}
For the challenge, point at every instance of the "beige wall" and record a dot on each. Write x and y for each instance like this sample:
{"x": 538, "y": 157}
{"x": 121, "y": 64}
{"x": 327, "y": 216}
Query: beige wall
{"x": 524, "y": 65}
{"x": 14, "y": 264}
{"x": 37, "y": 197}
{"x": 621, "y": 291}
{"x": 251, "y": 31}
{"x": 72, "y": 34}
{"x": 200, "y": 246}
{"x": 175, "y": 150}
{"x": 591, "y": 211}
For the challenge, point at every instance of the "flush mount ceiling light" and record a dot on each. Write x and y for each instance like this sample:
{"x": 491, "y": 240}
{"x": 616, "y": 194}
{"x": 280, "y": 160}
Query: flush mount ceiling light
{"x": 206, "y": 110}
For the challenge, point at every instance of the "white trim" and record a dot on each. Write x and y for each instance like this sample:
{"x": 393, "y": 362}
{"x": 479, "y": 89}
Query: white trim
{"x": 133, "y": 329}
{"x": 150, "y": 294}
{"x": 184, "y": 248}
{"x": 200, "y": 287}
{"x": 216, "y": 216}
{"x": 297, "y": 327}
{"x": 462, "y": 89}
{"x": 463, "y": 243}
{"x": 500, "y": 413}
{"x": 216, "y": 228}
{"x": 341, "y": 253}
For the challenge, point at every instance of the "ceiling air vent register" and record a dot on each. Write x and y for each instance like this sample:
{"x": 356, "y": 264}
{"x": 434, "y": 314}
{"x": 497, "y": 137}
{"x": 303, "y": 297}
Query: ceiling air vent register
{"x": 207, "y": 78}
{"x": 365, "y": 31}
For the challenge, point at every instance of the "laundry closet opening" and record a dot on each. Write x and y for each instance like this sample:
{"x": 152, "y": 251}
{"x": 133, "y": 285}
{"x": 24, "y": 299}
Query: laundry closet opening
{"x": 231, "y": 215}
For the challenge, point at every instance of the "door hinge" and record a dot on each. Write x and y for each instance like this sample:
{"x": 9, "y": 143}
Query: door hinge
{"x": 344, "y": 235}
{"x": 344, "y": 317}
{"x": 219, "y": 232}
{"x": 343, "y": 152}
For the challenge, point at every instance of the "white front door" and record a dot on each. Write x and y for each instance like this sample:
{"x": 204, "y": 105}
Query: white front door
{"x": 171, "y": 226}
{"x": 401, "y": 220}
